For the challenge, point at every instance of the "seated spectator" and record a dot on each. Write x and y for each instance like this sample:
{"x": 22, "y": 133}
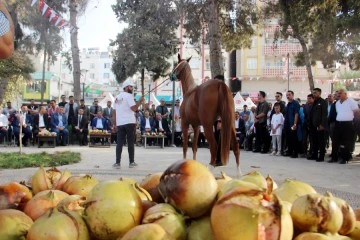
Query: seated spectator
{"x": 99, "y": 123}
{"x": 240, "y": 128}
{"x": 146, "y": 123}
{"x": 59, "y": 126}
{"x": 24, "y": 120}
{"x": 41, "y": 122}
{"x": 161, "y": 126}
{"x": 80, "y": 129}
{"x": 4, "y": 124}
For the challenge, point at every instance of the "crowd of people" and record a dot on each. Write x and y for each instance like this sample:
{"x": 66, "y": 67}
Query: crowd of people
{"x": 293, "y": 129}
{"x": 302, "y": 130}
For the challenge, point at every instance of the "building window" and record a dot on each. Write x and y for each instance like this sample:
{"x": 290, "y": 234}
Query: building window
{"x": 92, "y": 65}
{"x": 106, "y": 75}
{"x": 92, "y": 75}
{"x": 207, "y": 63}
{"x": 252, "y": 63}
{"x": 106, "y": 65}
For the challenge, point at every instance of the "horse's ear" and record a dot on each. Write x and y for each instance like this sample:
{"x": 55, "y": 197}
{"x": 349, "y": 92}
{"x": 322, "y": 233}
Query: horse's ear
{"x": 188, "y": 60}
{"x": 179, "y": 58}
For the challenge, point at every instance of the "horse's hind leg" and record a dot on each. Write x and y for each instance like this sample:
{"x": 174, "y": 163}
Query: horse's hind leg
{"x": 185, "y": 130}
{"x": 209, "y": 134}
{"x": 194, "y": 144}
{"x": 236, "y": 150}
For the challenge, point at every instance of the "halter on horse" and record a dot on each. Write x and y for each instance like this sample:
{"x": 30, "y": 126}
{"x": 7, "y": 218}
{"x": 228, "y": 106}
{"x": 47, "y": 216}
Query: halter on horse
{"x": 202, "y": 105}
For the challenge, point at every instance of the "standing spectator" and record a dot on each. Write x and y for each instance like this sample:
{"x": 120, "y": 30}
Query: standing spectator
{"x": 59, "y": 126}
{"x": 70, "y": 109}
{"x": 277, "y": 123}
{"x": 252, "y": 114}
{"x": 260, "y": 124}
{"x": 332, "y": 120}
{"x": 330, "y": 101}
{"x": 94, "y": 109}
{"x": 201, "y": 138}
{"x": 81, "y": 124}
{"x": 63, "y": 101}
{"x": 4, "y": 124}
{"x": 8, "y": 110}
{"x": 319, "y": 120}
{"x": 152, "y": 111}
{"x": 6, "y": 33}
{"x": 32, "y": 107}
{"x": 245, "y": 111}
{"x": 176, "y": 109}
{"x": 163, "y": 110}
{"x": 53, "y": 108}
{"x": 344, "y": 129}
{"x": 278, "y": 98}
{"x": 70, "y": 112}
{"x": 291, "y": 123}
{"x": 108, "y": 113}
{"x": 307, "y": 135}
{"x": 84, "y": 108}
{"x": 240, "y": 128}
{"x": 217, "y": 133}
{"x": 125, "y": 120}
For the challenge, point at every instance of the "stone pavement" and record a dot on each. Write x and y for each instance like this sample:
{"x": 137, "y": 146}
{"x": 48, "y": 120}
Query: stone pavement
{"x": 341, "y": 180}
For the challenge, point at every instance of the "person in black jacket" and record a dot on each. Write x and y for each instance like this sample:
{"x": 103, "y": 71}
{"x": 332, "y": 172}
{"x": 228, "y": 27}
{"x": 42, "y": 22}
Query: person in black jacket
{"x": 240, "y": 128}
{"x": 332, "y": 120}
{"x": 319, "y": 120}
{"x": 81, "y": 126}
{"x": 41, "y": 121}
{"x": 307, "y": 136}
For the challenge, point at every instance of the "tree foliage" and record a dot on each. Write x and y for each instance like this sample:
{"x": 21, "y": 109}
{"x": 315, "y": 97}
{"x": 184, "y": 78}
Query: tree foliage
{"x": 146, "y": 42}
{"x": 327, "y": 30}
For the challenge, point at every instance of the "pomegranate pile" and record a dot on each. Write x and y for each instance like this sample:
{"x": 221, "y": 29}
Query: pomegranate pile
{"x": 185, "y": 202}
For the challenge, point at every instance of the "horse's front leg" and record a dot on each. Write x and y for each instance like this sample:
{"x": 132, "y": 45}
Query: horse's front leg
{"x": 185, "y": 130}
{"x": 194, "y": 145}
{"x": 209, "y": 134}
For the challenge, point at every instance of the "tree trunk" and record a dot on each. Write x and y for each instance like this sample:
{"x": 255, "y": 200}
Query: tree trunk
{"x": 75, "y": 50}
{"x": 307, "y": 62}
{"x": 214, "y": 36}
{"x": 43, "y": 75}
{"x": 3, "y": 85}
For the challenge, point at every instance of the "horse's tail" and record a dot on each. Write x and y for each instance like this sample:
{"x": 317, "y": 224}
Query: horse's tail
{"x": 227, "y": 120}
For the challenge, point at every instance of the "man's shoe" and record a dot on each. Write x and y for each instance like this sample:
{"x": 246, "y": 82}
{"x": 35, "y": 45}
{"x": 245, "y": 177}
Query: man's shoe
{"x": 256, "y": 151}
{"x": 343, "y": 162}
{"x": 332, "y": 161}
{"x": 273, "y": 153}
{"x": 294, "y": 156}
{"x": 116, "y": 165}
{"x": 132, "y": 165}
{"x": 320, "y": 160}
{"x": 312, "y": 158}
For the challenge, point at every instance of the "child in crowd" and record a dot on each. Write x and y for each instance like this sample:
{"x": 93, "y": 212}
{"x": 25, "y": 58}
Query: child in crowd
{"x": 277, "y": 123}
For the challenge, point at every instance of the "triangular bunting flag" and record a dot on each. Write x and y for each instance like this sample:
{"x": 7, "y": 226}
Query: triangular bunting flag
{"x": 56, "y": 20}
{"x": 48, "y": 12}
{"x": 52, "y": 15}
{"x": 45, "y": 7}
{"x": 33, "y": 2}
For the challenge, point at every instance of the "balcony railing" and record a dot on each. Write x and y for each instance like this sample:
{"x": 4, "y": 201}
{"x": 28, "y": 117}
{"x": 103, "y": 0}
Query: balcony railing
{"x": 281, "y": 71}
{"x": 270, "y": 49}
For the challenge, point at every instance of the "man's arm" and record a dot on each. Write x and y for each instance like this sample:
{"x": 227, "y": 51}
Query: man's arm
{"x": 7, "y": 33}
{"x": 138, "y": 103}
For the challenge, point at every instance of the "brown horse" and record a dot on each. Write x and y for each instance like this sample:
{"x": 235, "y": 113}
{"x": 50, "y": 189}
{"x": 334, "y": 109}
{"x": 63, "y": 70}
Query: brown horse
{"x": 202, "y": 105}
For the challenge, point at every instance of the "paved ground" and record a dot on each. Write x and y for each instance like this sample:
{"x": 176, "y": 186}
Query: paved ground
{"x": 342, "y": 180}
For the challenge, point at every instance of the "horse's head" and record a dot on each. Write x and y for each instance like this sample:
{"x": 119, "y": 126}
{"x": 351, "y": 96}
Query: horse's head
{"x": 181, "y": 66}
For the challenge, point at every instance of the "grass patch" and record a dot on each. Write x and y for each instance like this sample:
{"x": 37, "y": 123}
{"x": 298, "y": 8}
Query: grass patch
{"x": 16, "y": 160}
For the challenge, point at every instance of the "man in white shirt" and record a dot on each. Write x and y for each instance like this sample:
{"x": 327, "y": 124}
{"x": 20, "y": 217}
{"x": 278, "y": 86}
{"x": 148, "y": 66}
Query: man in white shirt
{"x": 4, "y": 124}
{"x": 344, "y": 127}
{"x": 125, "y": 120}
